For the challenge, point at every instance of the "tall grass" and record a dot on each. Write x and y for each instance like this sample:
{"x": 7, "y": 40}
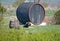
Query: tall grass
{"x": 30, "y": 34}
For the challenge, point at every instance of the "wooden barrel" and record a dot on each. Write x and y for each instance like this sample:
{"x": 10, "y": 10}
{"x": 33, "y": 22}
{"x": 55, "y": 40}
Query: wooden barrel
{"x": 30, "y": 12}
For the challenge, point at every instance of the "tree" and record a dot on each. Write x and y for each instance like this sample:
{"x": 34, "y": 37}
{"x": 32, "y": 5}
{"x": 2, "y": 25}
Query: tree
{"x": 18, "y": 2}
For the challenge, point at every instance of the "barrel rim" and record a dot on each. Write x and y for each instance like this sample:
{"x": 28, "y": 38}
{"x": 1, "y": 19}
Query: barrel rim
{"x": 30, "y": 10}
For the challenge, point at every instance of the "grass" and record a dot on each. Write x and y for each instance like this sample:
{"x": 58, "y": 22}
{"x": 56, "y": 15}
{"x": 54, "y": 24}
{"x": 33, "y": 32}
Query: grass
{"x": 36, "y": 33}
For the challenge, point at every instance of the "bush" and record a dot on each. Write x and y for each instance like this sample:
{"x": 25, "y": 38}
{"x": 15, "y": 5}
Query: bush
{"x": 57, "y": 17}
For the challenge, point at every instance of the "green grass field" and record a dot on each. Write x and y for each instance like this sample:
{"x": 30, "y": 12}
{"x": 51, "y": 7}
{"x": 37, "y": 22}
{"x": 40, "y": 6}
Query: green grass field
{"x": 33, "y": 33}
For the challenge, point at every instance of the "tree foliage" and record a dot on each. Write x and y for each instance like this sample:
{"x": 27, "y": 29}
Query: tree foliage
{"x": 57, "y": 17}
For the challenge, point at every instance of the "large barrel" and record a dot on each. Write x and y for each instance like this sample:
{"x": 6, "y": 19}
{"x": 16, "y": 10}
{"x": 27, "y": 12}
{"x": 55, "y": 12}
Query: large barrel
{"x": 30, "y": 12}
